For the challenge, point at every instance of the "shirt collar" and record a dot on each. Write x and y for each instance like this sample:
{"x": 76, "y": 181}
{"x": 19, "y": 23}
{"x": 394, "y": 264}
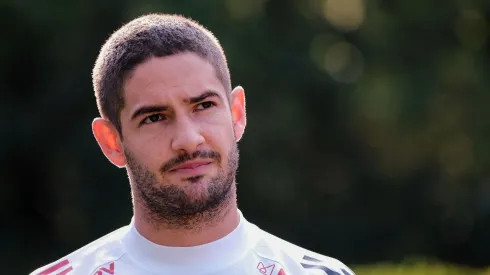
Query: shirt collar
{"x": 187, "y": 260}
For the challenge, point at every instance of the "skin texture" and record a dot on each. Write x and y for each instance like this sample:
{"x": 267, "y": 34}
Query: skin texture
{"x": 177, "y": 113}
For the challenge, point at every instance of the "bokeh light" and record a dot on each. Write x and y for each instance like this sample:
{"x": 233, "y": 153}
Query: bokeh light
{"x": 471, "y": 29}
{"x": 347, "y": 15}
{"x": 344, "y": 62}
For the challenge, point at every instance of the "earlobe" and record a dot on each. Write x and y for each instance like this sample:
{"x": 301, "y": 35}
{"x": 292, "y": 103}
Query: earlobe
{"x": 108, "y": 139}
{"x": 238, "y": 111}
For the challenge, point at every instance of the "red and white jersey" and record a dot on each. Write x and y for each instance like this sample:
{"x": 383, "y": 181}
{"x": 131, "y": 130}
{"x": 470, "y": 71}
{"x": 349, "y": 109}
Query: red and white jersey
{"x": 247, "y": 250}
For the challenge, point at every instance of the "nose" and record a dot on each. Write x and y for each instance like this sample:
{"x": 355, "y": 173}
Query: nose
{"x": 187, "y": 136}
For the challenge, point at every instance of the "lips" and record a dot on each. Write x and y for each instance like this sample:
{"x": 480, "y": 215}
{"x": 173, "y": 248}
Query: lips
{"x": 190, "y": 165}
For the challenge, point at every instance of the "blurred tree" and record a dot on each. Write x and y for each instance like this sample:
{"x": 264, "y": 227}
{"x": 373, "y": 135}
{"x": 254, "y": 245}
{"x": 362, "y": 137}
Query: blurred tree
{"x": 368, "y": 138}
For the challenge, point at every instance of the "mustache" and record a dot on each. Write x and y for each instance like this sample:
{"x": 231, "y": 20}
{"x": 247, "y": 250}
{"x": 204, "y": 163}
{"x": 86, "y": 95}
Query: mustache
{"x": 178, "y": 160}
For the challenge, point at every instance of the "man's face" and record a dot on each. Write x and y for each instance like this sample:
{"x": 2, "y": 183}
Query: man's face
{"x": 179, "y": 137}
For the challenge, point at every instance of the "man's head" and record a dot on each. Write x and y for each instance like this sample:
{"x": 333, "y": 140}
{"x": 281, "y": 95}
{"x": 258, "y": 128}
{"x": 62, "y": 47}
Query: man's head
{"x": 169, "y": 116}
{"x": 145, "y": 37}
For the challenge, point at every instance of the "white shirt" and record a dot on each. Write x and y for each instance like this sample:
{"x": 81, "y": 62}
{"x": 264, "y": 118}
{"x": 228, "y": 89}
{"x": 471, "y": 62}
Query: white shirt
{"x": 247, "y": 250}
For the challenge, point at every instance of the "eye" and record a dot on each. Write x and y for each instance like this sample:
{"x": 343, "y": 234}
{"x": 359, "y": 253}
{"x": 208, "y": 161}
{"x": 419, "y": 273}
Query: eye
{"x": 152, "y": 119}
{"x": 205, "y": 105}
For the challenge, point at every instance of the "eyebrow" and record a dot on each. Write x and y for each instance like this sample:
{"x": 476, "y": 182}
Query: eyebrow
{"x": 161, "y": 108}
{"x": 148, "y": 109}
{"x": 202, "y": 97}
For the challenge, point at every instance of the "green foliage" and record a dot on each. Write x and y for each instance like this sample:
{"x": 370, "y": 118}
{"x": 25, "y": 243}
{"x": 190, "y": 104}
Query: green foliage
{"x": 418, "y": 268}
{"x": 368, "y": 130}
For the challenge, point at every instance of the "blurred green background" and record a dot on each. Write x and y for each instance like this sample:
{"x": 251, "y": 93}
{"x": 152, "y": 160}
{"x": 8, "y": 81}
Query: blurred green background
{"x": 368, "y": 134}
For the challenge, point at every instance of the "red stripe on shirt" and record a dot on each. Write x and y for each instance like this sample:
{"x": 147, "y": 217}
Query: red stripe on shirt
{"x": 65, "y": 271}
{"x": 54, "y": 267}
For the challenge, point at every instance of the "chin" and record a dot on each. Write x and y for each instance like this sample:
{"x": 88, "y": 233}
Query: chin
{"x": 197, "y": 192}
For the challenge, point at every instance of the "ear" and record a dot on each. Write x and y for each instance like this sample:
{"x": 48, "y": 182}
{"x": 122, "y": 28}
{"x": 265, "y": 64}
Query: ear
{"x": 238, "y": 111}
{"x": 108, "y": 138}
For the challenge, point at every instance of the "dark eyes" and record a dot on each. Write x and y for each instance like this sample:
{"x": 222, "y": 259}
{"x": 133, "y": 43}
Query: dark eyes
{"x": 205, "y": 105}
{"x": 157, "y": 117}
{"x": 152, "y": 118}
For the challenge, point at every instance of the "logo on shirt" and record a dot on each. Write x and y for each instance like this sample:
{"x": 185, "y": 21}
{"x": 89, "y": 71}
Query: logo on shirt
{"x": 106, "y": 270}
{"x": 61, "y": 268}
{"x": 266, "y": 270}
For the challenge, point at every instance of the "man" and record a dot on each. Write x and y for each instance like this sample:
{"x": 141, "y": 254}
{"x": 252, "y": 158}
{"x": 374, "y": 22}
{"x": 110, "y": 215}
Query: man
{"x": 170, "y": 117}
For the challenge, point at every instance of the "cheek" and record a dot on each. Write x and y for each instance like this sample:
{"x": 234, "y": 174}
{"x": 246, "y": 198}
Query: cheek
{"x": 218, "y": 129}
{"x": 220, "y": 139}
{"x": 149, "y": 152}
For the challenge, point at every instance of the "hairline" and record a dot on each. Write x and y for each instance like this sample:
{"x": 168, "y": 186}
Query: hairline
{"x": 126, "y": 76}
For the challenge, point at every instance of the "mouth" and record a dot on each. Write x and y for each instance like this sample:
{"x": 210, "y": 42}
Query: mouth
{"x": 192, "y": 167}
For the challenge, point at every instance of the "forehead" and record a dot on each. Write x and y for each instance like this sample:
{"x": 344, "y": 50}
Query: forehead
{"x": 169, "y": 78}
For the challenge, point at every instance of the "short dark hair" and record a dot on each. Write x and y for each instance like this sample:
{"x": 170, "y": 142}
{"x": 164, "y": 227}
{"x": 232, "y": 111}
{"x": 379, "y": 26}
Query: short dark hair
{"x": 153, "y": 35}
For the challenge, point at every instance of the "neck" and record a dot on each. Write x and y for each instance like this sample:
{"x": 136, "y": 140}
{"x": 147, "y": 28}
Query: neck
{"x": 222, "y": 224}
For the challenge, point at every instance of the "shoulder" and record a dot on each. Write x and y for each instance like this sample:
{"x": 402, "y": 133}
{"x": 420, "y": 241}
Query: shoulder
{"x": 86, "y": 260}
{"x": 289, "y": 254}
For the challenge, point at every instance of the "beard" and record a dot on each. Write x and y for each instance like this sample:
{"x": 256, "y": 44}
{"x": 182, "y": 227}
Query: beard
{"x": 169, "y": 205}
